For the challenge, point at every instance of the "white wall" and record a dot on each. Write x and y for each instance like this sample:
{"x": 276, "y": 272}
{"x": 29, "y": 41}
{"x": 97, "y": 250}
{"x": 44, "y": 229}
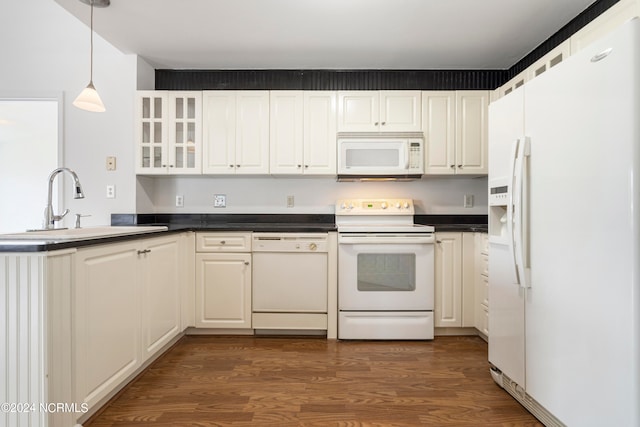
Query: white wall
{"x": 312, "y": 195}
{"x": 45, "y": 50}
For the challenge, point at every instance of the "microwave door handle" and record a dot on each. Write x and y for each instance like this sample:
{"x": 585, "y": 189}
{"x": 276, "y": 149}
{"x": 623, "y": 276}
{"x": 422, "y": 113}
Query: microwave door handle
{"x": 406, "y": 155}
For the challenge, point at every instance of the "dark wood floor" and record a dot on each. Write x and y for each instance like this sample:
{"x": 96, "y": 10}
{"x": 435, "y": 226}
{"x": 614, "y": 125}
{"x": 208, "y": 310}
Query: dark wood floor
{"x": 260, "y": 381}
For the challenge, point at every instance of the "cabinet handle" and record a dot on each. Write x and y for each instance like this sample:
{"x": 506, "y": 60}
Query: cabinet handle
{"x": 453, "y": 166}
{"x": 459, "y": 166}
{"x": 146, "y": 251}
{"x": 438, "y": 241}
{"x": 222, "y": 242}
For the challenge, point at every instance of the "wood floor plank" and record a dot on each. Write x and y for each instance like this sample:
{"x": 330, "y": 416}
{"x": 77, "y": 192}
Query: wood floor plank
{"x": 265, "y": 381}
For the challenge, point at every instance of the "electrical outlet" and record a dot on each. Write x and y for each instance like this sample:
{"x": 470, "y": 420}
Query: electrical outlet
{"x": 111, "y": 191}
{"x": 219, "y": 200}
{"x": 468, "y": 200}
{"x": 179, "y": 201}
{"x": 290, "y": 201}
{"x": 111, "y": 163}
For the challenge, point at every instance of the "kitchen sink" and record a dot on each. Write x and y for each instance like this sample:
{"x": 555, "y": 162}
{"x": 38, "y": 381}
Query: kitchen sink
{"x": 82, "y": 233}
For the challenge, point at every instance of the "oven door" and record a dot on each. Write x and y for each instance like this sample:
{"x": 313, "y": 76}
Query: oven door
{"x": 385, "y": 272}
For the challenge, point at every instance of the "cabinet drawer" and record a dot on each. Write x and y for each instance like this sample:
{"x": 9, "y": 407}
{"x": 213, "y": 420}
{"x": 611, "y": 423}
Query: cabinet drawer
{"x": 484, "y": 243}
{"x": 484, "y": 265}
{"x": 223, "y": 242}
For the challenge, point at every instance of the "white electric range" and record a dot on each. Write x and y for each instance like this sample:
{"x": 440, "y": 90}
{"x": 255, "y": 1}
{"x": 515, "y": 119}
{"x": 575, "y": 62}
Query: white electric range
{"x": 385, "y": 271}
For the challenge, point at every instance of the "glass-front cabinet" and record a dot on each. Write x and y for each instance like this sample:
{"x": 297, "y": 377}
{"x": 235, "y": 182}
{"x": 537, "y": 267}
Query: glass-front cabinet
{"x": 168, "y": 132}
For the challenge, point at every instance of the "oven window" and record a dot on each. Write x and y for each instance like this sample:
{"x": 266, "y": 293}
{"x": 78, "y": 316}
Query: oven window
{"x": 386, "y": 272}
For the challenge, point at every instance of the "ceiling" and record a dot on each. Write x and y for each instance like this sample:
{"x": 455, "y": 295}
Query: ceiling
{"x": 329, "y": 34}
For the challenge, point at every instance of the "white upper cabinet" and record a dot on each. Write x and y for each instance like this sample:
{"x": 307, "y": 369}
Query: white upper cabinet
{"x": 303, "y": 132}
{"x": 286, "y": 144}
{"x": 455, "y": 130}
{"x": 379, "y": 111}
{"x": 168, "y": 132}
{"x": 235, "y": 132}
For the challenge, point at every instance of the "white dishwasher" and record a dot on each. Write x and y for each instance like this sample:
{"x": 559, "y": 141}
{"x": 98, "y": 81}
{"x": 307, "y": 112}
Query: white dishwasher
{"x": 290, "y": 281}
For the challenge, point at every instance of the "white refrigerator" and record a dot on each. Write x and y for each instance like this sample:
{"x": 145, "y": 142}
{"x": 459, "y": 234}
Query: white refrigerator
{"x": 564, "y": 237}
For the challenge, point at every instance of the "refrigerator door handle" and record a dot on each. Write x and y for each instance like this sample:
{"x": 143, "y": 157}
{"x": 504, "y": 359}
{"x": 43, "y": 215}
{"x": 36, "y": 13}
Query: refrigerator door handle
{"x": 520, "y": 220}
{"x": 511, "y": 206}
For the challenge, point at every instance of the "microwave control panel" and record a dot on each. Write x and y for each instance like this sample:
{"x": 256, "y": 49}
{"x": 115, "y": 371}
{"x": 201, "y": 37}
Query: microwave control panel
{"x": 415, "y": 156}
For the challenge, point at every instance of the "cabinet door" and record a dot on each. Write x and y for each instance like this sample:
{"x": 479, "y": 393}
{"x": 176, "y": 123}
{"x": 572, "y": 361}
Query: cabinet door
{"x": 107, "y": 319}
{"x": 160, "y": 292}
{"x": 252, "y": 132}
{"x": 358, "y": 111}
{"x": 320, "y": 121}
{"x": 151, "y": 132}
{"x": 438, "y": 121}
{"x": 218, "y": 132}
{"x": 286, "y": 132}
{"x": 185, "y": 133}
{"x": 448, "y": 280}
{"x": 223, "y": 290}
{"x": 400, "y": 111}
{"x": 471, "y": 132}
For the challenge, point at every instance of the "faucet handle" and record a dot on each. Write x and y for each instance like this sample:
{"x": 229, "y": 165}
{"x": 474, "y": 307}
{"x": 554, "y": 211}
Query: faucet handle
{"x": 59, "y": 217}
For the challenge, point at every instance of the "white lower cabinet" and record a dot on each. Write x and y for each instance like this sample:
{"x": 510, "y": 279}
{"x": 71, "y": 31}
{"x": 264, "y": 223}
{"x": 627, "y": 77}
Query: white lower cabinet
{"x": 482, "y": 284}
{"x": 127, "y": 307}
{"x": 454, "y": 284}
{"x": 223, "y": 280}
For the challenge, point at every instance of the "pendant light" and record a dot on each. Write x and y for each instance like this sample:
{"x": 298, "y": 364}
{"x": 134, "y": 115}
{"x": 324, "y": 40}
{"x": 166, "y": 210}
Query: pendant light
{"x": 89, "y": 99}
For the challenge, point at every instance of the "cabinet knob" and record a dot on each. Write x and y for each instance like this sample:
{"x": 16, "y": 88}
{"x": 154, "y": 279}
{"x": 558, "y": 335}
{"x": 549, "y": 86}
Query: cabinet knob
{"x": 246, "y": 263}
{"x": 384, "y": 123}
{"x": 453, "y": 166}
{"x": 237, "y": 166}
{"x": 376, "y": 123}
{"x": 299, "y": 166}
{"x": 306, "y": 166}
{"x": 171, "y": 166}
{"x": 438, "y": 241}
{"x": 459, "y": 166}
{"x": 230, "y": 166}
{"x": 222, "y": 242}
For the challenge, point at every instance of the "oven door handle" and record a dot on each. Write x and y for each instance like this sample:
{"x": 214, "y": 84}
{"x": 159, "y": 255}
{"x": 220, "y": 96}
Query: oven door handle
{"x": 368, "y": 239}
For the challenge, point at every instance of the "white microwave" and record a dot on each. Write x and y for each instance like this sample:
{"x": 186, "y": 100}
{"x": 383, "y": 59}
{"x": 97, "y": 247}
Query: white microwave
{"x": 380, "y": 155}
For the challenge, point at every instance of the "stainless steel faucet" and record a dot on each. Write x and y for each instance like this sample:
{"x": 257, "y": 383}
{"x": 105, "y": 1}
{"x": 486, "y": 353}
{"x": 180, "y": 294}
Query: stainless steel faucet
{"x": 49, "y": 217}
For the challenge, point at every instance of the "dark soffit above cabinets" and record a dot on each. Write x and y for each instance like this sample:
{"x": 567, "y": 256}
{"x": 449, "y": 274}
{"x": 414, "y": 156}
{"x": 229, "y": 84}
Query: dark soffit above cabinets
{"x": 368, "y": 79}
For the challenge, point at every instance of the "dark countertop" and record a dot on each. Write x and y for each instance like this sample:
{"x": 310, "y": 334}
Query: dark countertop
{"x": 269, "y": 223}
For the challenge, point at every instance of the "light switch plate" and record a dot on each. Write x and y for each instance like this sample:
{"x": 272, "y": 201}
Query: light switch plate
{"x": 111, "y": 163}
{"x": 219, "y": 200}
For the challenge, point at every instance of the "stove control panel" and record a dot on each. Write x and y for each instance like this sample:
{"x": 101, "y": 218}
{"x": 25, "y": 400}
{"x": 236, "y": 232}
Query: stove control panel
{"x": 375, "y": 207}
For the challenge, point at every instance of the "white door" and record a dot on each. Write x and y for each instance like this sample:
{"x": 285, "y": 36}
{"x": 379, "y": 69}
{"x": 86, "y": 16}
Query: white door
{"x": 471, "y": 132}
{"x": 320, "y": 120}
{"x": 160, "y": 292}
{"x": 359, "y": 111}
{"x": 152, "y": 132}
{"x": 223, "y": 290}
{"x": 185, "y": 133}
{"x": 252, "y": 132}
{"x": 448, "y": 280}
{"x": 286, "y": 132}
{"x": 506, "y": 312}
{"x": 400, "y": 111}
{"x": 438, "y": 121}
{"x": 219, "y": 132}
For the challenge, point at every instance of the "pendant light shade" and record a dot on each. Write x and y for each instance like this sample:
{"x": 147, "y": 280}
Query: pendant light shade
{"x": 89, "y": 99}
